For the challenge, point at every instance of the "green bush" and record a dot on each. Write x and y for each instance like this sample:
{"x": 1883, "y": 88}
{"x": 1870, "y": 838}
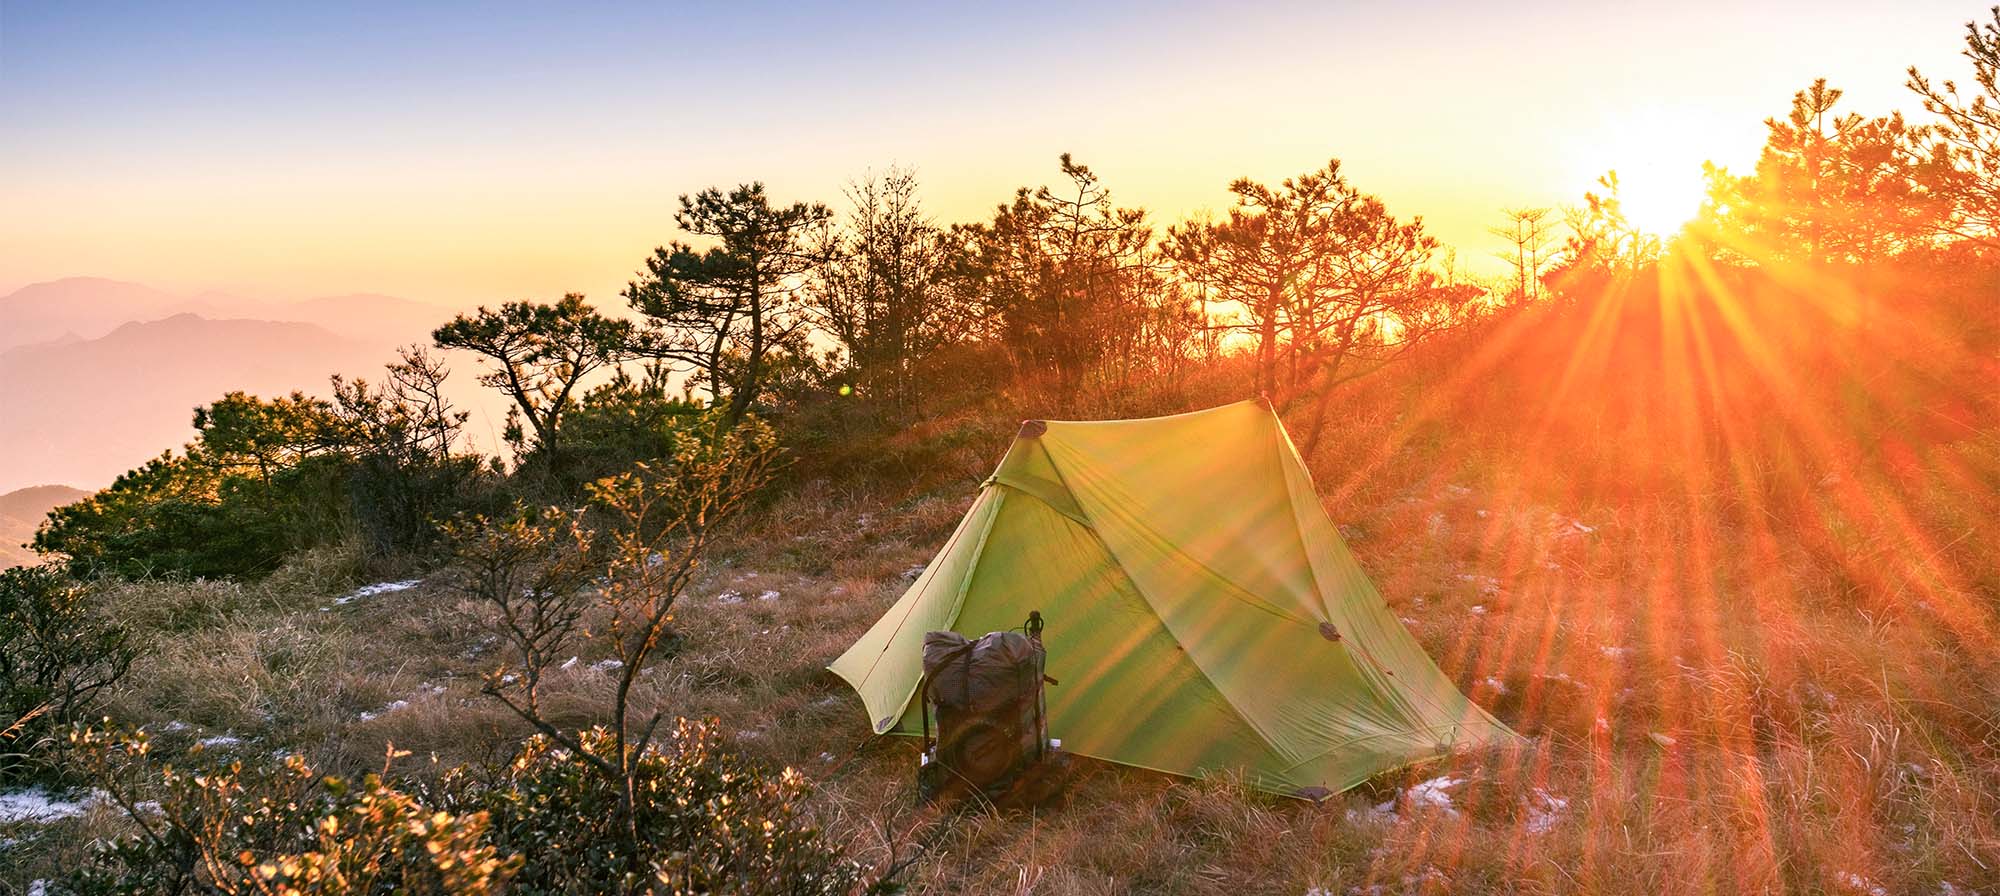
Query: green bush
{"x": 396, "y": 503}
{"x": 622, "y": 422}
{"x": 267, "y": 478}
{"x": 57, "y": 657}
{"x": 169, "y": 517}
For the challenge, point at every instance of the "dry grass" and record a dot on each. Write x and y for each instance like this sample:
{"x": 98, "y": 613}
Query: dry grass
{"x": 1780, "y": 740}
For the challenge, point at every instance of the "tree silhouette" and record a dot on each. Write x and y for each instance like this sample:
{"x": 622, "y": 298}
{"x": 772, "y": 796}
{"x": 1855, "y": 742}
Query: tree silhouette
{"x": 1061, "y": 273}
{"x": 1967, "y": 139}
{"x": 1530, "y": 235}
{"x": 539, "y": 354}
{"x": 1326, "y": 276}
{"x": 1827, "y": 188}
{"x": 725, "y": 310}
{"x": 886, "y": 292}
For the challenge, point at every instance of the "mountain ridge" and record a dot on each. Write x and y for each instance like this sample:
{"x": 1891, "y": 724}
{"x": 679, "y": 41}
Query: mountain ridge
{"x": 90, "y": 307}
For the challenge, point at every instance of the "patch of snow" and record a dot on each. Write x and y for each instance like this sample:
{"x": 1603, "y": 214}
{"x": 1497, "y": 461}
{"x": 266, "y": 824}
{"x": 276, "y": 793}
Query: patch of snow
{"x": 392, "y": 707}
{"x": 1855, "y": 882}
{"x": 1615, "y": 653}
{"x": 1947, "y": 888}
{"x": 729, "y": 597}
{"x": 1544, "y": 811}
{"x": 1478, "y": 609}
{"x": 607, "y": 665}
{"x": 1433, "y": 793}
{"x": 1498, "y": 686}
{"x": 375, "y": 589}
{"x": 171, "y": 726}
{"x": 39, "y": 805}
{"x": 38, "y": 887}
{"x": 220, "y": 740}
{"x": 1562, "y": 677}
{"x": 826, "y": 757}
{"x": 768, "y": 595}
{"x": 569, "y": 663}
{"x": 1561, "y": 527}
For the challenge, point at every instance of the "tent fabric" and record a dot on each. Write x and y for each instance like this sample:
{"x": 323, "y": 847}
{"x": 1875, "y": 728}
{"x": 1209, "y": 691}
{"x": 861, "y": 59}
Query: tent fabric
{"x": 1203, "y": 613}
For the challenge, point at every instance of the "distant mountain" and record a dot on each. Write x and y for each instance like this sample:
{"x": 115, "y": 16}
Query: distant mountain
{"x": 98, "y": 375}
{"x": 86, "y": 410}
{"x": 78, "y": 308}
{"x": 21, "y": 512}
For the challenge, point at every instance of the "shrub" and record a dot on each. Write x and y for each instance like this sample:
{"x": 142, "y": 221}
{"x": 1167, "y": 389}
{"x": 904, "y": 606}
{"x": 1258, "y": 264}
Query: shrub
{"x": 532, "y": 573}
{"x": 284, "y": 831}
{"x": 57, "y": 657}
{"x": 266, "y": 478}
{"x": 397, "y": 503}
{"x": 172, "y": 516}
{"x": 710, "y": 822}
{"x": 620, "y": 423}
{"x": 543, "y": 824}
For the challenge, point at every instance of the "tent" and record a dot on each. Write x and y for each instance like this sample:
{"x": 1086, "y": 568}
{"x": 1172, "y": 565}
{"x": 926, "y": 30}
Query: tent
{"x": 1203, "y": 613}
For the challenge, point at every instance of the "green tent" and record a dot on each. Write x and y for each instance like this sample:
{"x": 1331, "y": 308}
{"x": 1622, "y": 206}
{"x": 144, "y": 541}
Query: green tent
{"x": 1203, "y": 613}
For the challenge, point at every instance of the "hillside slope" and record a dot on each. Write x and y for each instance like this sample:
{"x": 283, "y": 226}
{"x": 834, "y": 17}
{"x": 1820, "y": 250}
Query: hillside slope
{"x": 85, "y": 411}
{"x": 21, "y": 511}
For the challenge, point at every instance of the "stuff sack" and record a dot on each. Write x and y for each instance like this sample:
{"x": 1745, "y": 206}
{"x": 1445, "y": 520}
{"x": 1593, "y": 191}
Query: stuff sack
{"x": 982, "y": 674}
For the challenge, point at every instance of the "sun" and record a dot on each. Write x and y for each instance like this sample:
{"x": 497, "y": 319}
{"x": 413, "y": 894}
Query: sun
{"x": 1658, "y": 154}
{"x": 1658, "y": 199}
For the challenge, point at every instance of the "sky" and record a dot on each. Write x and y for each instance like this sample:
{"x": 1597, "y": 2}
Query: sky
{"x": 484, "y": 152}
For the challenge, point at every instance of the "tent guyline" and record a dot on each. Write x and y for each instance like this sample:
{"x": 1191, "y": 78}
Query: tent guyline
{"x": 1205, "y": 614}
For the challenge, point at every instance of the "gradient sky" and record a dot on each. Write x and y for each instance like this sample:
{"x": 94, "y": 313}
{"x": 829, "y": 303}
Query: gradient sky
{"x": 485, "y": 152}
